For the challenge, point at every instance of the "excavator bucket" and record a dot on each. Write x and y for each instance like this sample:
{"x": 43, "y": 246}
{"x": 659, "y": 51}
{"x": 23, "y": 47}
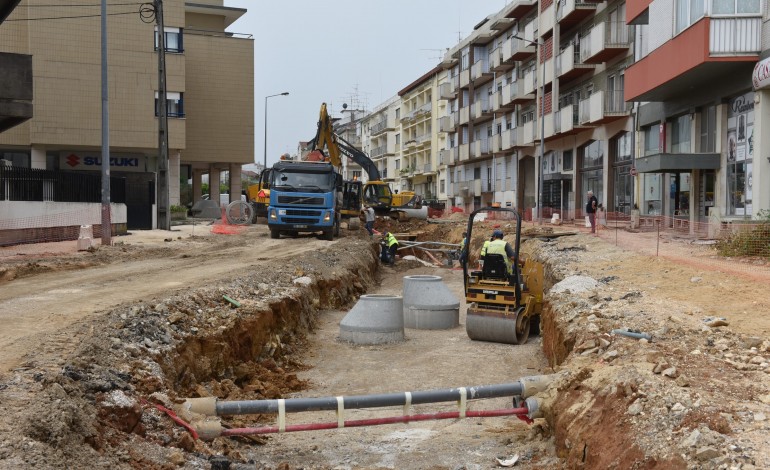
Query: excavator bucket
{"x": 504, "y": 304}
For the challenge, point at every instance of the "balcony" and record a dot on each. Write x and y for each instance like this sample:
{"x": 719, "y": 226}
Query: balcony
{"x": 506, "y": 97}
{"x": 477, "y": 187}
{"x": 603, "y": 107}
{"x": 518, "y": 49}
{"x": 422, "y": 138}
{"x": 464, "y": 115}
{"x": 495, "y": 144}
{"x": 530, "y": 79}
{"x": 446, "y": 124}
{"x": 518, "y": 8}
{"x": 480, "y": 73}
{"x": 447, "y": 91}
{"x": 567, "y": 120}
{"x": 465, "y": 152}
{"x": 529, "y": 133}
{"x": 480, "y": 148}
{"x": 510, "y": 139}
{"x": 572, "y": 12}
{"x": 444, "y": 157}
{"x": 569, "y": 66}
{"x": 480, "y": 111}
{"x": 383, "y": 125}
{"x": 523, "y": 92}
{"x": 710, "y": 50}
{"x": 16, "y": 89}
{"x": 465, "y": 78}
{"x": 496, "y": 61}
{"x": 549, "y": 126}
{"x": 606, "y": 40}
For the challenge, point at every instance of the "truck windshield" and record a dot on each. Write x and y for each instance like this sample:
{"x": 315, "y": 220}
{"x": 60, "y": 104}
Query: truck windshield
{"x": 303, "y": 182}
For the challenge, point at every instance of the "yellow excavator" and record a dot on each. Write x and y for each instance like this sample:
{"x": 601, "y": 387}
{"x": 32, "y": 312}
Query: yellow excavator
{"x": 374, "y": 192}
{"x": 504, "y": 298}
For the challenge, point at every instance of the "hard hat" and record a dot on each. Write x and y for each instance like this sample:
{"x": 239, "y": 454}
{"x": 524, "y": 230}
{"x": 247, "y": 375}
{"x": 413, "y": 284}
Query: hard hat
{"x": 497, "y": 233}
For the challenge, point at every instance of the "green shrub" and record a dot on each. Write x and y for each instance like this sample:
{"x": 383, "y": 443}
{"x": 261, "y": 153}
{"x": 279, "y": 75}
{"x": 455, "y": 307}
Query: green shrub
{"x": 751, "y": 242}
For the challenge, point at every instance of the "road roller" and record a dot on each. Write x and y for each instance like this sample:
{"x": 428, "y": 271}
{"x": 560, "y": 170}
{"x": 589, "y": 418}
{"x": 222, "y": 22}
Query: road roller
{"x": 504, "y": 292}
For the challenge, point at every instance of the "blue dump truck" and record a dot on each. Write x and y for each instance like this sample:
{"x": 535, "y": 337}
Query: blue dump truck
{"x": 304, "y": 197}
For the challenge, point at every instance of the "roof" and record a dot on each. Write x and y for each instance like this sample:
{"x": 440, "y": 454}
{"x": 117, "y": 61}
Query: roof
{"x": 420, "y": 80}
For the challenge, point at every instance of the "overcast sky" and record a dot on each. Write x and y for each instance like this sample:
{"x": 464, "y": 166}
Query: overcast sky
{"x": 336, "y": 51}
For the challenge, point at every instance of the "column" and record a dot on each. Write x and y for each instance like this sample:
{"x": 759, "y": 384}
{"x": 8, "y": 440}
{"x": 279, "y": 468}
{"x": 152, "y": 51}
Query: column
{"x": 214, "y": 175}
{"x": 235, "y": 182}
{"x": 196, "y": 185}
{"x": 37, "y": 158}
{"x": 173, "y": 177}
{"x": 760, "y": 177}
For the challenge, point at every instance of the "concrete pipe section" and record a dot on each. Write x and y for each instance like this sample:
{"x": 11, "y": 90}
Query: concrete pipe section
{"x": 375, "y": 319}
{"x": 428, "y": 304}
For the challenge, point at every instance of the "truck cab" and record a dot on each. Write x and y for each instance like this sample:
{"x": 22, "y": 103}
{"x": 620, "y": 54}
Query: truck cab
{"x": 304, "y": 197}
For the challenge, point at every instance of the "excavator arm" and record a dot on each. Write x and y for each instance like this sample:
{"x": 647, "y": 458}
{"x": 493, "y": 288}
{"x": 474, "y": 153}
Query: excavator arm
{"x": 336, "y": 145}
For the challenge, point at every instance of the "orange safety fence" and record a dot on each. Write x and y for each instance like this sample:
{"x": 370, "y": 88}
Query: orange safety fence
{"x": 223, "y": 227}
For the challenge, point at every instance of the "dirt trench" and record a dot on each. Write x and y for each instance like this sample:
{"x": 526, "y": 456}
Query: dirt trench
{"x": 231, "y": 340}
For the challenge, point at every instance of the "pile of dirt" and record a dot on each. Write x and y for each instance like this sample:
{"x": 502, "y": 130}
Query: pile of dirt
{"x": 650, "y": 382}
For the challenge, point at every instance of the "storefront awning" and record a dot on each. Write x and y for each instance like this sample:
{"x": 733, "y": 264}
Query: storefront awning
{"x": 677, "y": 162}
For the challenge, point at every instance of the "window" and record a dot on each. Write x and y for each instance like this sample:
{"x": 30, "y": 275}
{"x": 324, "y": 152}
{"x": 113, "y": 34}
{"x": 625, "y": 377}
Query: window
{"x": 398, "y": 139}
{"x": 622, "y": 145}
{"x": 442, "y": 186}
{"x": 172, "y": 38}
{"x": 398, "y": 164}
{"x": 733, "y": 7}
{"x": 593, "y": 155}
{"x": 708, "y": 129}
{"x": 740, "y": 155}
{"x": 17, "y": 158}
{"x": 592, "y": 172}
{"x": 174, "y": 104}
{"x": 690, "y": 11}
{"x": 652, "y": 139}
{"x": 398, "y": 113}
{"x": 566, "y": 160}
{"x": 477, "y": 173}
{"x": 680, "y": 134}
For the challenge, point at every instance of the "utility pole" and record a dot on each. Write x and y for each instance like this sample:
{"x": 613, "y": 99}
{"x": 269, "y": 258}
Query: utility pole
{"x": 164, "y": 212}
{"x": 106, "y": 219}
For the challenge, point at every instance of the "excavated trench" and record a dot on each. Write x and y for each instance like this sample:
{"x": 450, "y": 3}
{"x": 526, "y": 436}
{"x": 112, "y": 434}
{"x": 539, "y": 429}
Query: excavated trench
{"x": 201, "y": 344}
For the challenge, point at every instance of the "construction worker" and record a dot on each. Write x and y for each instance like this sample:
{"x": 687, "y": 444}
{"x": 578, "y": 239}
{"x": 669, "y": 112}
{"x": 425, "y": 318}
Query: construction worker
{"x": 499, "y": 246}
{"x": 392, "y": 246}
{"x": 369, "y": 224}
{"x": 463, "y": 253}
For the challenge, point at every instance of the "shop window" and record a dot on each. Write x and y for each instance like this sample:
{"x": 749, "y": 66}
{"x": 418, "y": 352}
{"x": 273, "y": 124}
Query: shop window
{"x": 566, "y": 160}
{"x": 740, "y": 155}
{"x": 680, "y": 134}
{"x": 17, "y": 159}
{"x": 651, "y": 139}
{"x": 708, "y": 129}
{"x": 652, "y": 202}
{"x": 592, "y": 172}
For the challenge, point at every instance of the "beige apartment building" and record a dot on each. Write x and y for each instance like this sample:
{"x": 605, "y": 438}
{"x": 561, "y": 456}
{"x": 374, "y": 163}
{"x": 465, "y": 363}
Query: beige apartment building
{"x": 380, "y": 133}
{"x": 210, "y": 92}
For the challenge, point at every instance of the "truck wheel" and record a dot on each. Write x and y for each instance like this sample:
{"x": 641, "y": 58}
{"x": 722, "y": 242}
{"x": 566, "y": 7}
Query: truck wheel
{"x": 275, "y": 233}
{"x": 328, "y": 234}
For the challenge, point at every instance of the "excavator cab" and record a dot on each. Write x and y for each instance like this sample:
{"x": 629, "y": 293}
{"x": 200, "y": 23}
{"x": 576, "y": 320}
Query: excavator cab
{"x": 504, "y": 305}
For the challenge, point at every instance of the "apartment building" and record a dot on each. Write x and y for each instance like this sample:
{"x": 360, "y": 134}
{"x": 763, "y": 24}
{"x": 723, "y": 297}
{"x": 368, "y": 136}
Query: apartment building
{"x": 349, "y": 128}
{"x": 702, "y": 107}
{"x": 380, "y": 133}
{"x": 210, "y": 82}
{"x": 417, "y": 156}
{"x": 551, "y": 71}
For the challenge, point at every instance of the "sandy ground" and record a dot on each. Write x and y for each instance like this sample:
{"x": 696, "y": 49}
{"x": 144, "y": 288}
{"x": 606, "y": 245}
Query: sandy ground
{"x": 52, "y": 300}
{"x": 428, "y": 359}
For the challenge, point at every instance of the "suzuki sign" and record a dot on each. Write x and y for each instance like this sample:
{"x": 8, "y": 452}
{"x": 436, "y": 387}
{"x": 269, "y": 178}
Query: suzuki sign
{"x": 75, "y": 161}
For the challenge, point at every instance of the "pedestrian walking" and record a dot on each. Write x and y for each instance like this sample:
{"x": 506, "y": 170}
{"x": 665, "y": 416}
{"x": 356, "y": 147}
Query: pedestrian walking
{"x": 591, "y": 206}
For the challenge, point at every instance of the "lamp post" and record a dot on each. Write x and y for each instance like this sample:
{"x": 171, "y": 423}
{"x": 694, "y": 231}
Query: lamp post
{"x": 542, "y": 129}
{"x": 285, "y": 93}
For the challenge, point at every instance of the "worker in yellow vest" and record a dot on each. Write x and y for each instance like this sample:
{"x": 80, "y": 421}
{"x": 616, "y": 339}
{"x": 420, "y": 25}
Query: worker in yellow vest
{"x": 499, "y": 246}
{"x": 392, "y": 245}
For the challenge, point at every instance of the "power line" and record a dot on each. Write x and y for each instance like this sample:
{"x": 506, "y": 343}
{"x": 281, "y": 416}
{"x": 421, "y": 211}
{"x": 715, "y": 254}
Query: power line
{"x": 71, "y": 17}
{"x": 83, "y": 5}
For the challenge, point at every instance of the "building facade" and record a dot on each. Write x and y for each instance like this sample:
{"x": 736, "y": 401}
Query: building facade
{"x": 209, "y": 77}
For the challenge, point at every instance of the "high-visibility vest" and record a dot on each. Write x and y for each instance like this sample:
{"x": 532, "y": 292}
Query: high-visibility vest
{"x": 485, "y": 247}
{"x": 391, "y": 240}
{"x": 462, "y": 245}
{"x": 497, "y": 247}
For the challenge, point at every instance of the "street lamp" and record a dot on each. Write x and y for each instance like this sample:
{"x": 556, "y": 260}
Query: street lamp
{"x": 542, "y": 129}
{"x": 285, "y": 93}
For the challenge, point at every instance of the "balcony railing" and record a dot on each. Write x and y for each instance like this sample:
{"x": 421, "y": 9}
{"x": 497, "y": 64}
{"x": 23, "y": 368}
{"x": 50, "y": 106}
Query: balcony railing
{"x": 465, "y": 78}
{"x": 464, "y": 115}
{"x": 735, "y": 35}
{"x": 606, "y": 40}
{"x": 614, "y": 102}
{"x": 379, "y": 151}
{"x": 423, "y": 138}
{"x": 464, "y": 152}
{"x": 427, "y": 168}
